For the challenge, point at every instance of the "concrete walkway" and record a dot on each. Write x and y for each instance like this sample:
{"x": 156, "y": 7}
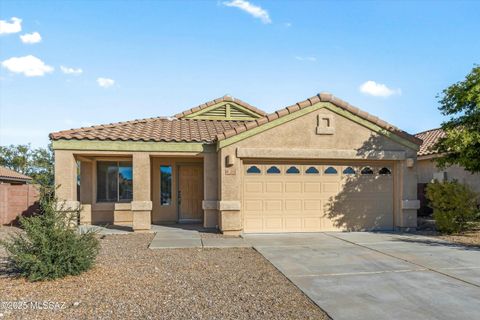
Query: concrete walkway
{"x": 379, "y": 275}
{"x": 168, "y": 237}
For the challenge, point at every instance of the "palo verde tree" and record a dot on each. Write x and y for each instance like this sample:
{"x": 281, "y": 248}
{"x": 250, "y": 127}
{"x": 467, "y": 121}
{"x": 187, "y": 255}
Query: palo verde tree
{"x": 461, "y": 143}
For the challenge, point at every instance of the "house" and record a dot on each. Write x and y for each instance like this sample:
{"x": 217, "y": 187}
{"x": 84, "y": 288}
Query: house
{"x": 12, "y": 177}
{"x": 318, "y": 165}
{"x": 428, "y": 170}
{"x": 16, "y": 196}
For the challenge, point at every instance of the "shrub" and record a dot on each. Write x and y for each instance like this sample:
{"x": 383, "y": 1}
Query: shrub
{"x": 454, "y": 205}
{"x": 51, "y": 247}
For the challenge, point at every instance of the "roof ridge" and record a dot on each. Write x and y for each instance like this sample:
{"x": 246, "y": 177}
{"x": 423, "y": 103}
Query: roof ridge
{"x": 225, "y": 98}
{"x": 429, "y": 130}
{"x": 321, "y": 97}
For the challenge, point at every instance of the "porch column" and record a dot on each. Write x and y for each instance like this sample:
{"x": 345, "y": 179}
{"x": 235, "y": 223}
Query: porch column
{"x": 66, "y": 180}
{"x": 210, "y": 190}
{"x": 142, "y": 203}
{"x": 86, "y": 195}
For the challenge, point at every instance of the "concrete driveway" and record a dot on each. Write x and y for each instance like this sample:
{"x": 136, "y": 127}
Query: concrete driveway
{"x": 362, "y": 275}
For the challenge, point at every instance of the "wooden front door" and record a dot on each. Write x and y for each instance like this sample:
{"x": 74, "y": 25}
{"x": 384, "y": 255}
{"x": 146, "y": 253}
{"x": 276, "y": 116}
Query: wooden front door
{"x": 190, "y": 192}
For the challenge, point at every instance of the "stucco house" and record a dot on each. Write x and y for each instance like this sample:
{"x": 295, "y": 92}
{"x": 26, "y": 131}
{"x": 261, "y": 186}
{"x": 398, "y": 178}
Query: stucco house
{"x": 428, "y": 170}
{"x": 12, "y": 177}
{"x": 320, "y": 164}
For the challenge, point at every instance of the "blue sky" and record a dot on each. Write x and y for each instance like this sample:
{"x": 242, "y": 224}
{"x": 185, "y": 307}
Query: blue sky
{"x": 164, "y": 57}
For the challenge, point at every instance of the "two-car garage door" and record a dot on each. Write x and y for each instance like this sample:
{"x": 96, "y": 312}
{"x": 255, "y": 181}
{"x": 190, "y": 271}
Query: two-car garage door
{"x": 299, "y": 197}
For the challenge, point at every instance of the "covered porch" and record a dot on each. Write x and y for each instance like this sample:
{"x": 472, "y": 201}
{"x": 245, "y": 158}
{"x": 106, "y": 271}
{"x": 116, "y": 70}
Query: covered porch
{"x": 138, "y": 189}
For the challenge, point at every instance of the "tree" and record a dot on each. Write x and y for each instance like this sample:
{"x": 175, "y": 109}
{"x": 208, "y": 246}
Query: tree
{"x": 461, "y": 144}
{"x": 35, "y": 163}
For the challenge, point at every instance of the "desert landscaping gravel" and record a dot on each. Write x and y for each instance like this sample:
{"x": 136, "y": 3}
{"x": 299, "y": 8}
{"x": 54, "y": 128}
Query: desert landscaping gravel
{"x": 131, "y": 281}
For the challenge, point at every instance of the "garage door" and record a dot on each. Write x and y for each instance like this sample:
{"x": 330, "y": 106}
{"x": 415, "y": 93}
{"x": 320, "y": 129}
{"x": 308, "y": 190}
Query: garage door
{"x": 298, "y": 197}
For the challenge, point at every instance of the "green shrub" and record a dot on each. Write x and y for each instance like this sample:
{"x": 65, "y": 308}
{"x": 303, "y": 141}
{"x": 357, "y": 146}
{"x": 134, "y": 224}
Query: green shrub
{"x": 454, "y": 206}
{"x": 51, "y": 247}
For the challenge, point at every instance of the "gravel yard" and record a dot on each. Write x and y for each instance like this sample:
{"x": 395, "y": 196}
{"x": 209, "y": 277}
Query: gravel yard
{"x": 426, "y": 226}
{"x": 132, "y": 281}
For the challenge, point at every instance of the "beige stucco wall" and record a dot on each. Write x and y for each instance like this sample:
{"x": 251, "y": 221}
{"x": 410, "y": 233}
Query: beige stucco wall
{"x": 301, "y": 133}
{"x": 166, "y": 214}
{"x": 427, "y": 169}
{"x": 147, "y": 171}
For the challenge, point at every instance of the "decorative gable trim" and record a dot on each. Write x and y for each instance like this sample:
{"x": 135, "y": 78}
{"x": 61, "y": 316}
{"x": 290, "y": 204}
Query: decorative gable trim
{"x": 224, "y": 111}
{"x": 238, "y": 110}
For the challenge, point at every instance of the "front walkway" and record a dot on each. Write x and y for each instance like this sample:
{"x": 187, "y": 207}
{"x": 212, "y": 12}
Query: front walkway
{"x": 183, "y": 236}
{"x": 362, "y": 275}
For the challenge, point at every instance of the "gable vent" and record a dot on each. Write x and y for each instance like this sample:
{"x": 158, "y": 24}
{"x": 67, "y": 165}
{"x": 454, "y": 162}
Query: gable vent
{"x": 217, "y": 112}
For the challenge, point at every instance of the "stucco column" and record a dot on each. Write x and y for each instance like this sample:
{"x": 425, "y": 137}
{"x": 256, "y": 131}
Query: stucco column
{"x": 230, "y": 181}
{"x": 142, "y": 203}
{"x": 210, "y": 190}
{"x": 66, "y": 180}
{"x": 86, "y": 194}
{"x": 407, "y": 187}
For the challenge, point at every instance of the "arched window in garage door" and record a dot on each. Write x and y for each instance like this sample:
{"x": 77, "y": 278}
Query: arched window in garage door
{"x": 312, "y": 170}
{"x": 273, "y": 170}
{"x": 254, "y": 170}
{"x": 330, "y": 170}
{"x": 366, "y": 170}
{"x": 293, "y": 170}
{"x": 384, "y": 171}
{"x": 348, "y": 170}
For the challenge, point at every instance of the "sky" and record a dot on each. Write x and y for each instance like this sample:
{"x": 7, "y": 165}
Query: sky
{"x": 69, "y": 64}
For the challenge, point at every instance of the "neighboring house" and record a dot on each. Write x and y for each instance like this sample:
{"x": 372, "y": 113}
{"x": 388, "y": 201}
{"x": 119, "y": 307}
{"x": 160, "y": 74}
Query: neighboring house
{"x": 317, "y": 165}
{"x": 16, "y": 196}
{"x": 428, "y": 171}
{"x": 13, "y": 177}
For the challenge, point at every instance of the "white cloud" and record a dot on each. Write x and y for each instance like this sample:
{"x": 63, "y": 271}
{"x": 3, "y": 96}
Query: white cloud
{"x": 29, "y": 65}
{"x": 255, "y": 11}
{"x": 378, "y": 89}
{"x": 310, "y": 58}
{"x": 31, "y": 38}
{"x": 69, "y": 70}
{"x": 287, "y": 24}
{"x": 105, "y": 82}
{"x": 10, "y": 27}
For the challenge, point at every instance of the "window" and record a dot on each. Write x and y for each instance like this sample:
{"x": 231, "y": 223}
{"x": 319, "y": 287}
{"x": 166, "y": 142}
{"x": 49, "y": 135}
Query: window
{"x": 273, "y": 169}
{"x": 165, "y": 185}
{"x": 253, "y": 169}
{"x": 311, "y": 170}
{"x": 293, "y": 169}
{"x": 385, "y": 171}
{"x": 114, "y": 181}
{"x": 349, "y": 170}
{"x": 367, "y": 170}
{"x": 330, "y": 170}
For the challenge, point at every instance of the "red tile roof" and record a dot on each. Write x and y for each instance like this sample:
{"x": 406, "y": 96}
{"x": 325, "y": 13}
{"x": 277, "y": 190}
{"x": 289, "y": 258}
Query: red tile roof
{"x": 225, "y": 98}
{"x": 8, "y": 174}
{"x": 152, "y": 129}
{"x": 321, "y": 97}
{"x": 179, "y": 129}
{"x": 430, "y": 138}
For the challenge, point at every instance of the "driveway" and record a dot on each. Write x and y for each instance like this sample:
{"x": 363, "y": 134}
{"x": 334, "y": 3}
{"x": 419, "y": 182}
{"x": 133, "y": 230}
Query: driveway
{"x": 362, "y": 275}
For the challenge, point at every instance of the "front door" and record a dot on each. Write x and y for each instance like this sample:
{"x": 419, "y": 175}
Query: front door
{"x": 190, "y": 192}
